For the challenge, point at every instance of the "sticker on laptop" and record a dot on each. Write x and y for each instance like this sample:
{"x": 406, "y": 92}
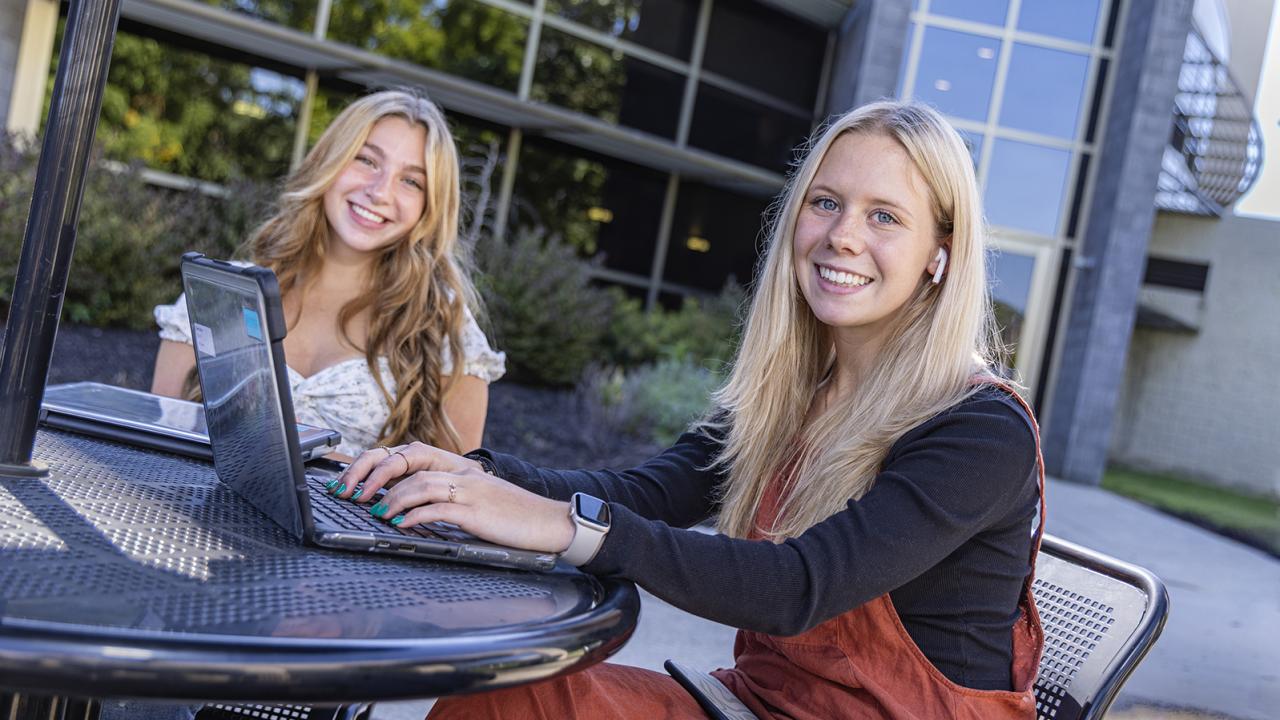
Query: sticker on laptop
{"x": 252, "y": 326}
{"x": 204, "y": 339}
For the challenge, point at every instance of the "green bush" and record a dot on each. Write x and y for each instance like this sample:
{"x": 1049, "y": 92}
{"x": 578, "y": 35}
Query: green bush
{"x": 657, "y": 401}
{"x": 129, "y": 239}
{"x": 702, "y": 331}
{"x": 544, "y": 311}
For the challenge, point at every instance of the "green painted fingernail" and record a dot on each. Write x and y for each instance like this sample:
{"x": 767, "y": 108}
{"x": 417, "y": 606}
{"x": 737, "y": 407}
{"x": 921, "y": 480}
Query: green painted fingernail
{"x": 359, "y": 492}
{"x": 331, "y": 484}
{"x": 378, "y": 509}
{"x": 341, "y": 489}
{"x": 397, "y": 520}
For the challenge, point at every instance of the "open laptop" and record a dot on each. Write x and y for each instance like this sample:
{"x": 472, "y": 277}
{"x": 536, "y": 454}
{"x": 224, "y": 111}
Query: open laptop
{"x": 147, "y": 420}
{"x": 238, "y": 326}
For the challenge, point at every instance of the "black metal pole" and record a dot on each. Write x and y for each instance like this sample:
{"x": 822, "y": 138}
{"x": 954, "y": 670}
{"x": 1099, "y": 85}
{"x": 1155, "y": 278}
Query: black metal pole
{"x": 51, "y": 227}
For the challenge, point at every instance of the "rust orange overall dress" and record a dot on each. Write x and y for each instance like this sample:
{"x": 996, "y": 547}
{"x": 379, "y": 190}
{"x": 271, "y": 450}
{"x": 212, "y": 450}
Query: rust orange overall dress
{"x": 860, "y": 665}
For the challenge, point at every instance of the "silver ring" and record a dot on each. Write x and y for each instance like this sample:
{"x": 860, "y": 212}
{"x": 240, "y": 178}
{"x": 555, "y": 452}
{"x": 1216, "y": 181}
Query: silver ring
{"x": 405, "y": 459}
{"x": 386, "y": 449}
{"x": 453, "y": 492}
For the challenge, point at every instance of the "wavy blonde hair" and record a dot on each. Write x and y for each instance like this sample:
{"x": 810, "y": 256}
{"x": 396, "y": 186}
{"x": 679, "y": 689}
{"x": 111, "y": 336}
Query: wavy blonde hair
{"x": 420, "y": 285}
{"x": 942, "y": 338}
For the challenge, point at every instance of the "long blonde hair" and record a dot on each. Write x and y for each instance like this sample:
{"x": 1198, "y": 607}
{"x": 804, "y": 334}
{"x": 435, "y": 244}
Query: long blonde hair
{"x": 943, "y": 337}
{"x": 420, "y": 285}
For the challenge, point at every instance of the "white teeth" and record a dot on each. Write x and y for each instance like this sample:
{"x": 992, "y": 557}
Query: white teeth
{"x": 842, "y": 278}
{"x": 367, "y": 215}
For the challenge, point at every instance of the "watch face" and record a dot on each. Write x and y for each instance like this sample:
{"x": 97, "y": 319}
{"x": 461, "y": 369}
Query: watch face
{"x": 592, "y": 510}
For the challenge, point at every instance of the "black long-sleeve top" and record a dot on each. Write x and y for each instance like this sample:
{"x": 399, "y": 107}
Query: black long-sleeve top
{"x": 946, "y": 530}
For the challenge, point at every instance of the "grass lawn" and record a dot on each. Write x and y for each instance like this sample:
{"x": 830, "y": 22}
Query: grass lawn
{"x": 1246, "y": 517}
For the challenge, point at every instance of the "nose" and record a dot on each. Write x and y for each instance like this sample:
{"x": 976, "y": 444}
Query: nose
{"x": 377, "y": 187}
{"x": 845, "y": 235}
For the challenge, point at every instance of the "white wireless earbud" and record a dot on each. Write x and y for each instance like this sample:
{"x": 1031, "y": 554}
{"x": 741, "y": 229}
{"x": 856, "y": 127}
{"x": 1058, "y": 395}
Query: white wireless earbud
{"x": 942, "y": 265}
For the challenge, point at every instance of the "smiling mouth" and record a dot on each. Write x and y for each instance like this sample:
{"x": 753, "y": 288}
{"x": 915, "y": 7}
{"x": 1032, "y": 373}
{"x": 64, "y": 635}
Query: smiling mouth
{"x": 366, "y": 214}
{"x": 842, "y": 278}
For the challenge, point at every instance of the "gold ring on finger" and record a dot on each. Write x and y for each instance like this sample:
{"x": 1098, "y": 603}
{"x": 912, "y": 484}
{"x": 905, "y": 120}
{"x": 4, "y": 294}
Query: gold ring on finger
{"x": 453, "y": 492}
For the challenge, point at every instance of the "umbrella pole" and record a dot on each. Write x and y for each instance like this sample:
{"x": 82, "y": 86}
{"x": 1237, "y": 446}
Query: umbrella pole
{"x": 50, "y": 234}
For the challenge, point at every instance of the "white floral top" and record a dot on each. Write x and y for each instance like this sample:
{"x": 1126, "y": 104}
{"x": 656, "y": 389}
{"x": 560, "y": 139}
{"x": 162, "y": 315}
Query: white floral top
{"x": 344, "y": 396}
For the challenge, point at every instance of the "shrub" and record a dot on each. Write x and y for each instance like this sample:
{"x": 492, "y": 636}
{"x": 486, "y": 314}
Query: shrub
{"x": 129, "y": 240}
{"x": 703, "y": 331}
{"x": 657, "y": 401}
{"x": 545, "y": 313}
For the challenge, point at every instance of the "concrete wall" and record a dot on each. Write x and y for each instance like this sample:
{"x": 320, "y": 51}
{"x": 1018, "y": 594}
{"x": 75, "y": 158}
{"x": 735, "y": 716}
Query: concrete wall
{"x": 1206, "y": 404}
{"x": 11, "y": 15}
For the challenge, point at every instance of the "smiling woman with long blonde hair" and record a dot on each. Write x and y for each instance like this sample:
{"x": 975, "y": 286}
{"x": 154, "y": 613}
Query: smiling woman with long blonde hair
{"x": 382, "y": 343}
{"x": 877, "y": 486}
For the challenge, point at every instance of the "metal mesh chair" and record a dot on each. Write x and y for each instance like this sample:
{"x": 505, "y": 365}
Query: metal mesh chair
{"x": 215, "y": 711}
{"x": 1100, "y": 617}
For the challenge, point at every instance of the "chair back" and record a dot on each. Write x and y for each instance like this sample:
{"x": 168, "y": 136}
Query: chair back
{"x": 1100, "y": 617}
{"x": 218, "y": 711}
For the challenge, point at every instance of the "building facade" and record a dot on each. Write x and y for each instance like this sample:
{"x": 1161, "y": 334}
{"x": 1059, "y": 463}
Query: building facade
{"x": 658, "y": 132}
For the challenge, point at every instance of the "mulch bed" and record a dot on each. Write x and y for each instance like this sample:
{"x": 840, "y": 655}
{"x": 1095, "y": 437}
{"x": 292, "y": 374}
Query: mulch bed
{"x": 549, "y": 427}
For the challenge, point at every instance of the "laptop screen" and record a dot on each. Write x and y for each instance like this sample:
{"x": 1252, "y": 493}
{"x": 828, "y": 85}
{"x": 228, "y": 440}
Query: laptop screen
{"x": 251, "y": 451}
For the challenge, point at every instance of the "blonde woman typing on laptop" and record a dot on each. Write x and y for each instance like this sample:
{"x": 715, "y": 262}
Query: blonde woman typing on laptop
{"x": 876, "y": 486}
{"x": 382, "y": 345}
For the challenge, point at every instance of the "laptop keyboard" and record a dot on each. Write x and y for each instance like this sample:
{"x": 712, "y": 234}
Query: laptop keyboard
{"x": 349, "y": 515}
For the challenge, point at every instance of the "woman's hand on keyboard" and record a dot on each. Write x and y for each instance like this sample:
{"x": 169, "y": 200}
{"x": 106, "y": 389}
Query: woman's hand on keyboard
{"x": 436, "y": 485}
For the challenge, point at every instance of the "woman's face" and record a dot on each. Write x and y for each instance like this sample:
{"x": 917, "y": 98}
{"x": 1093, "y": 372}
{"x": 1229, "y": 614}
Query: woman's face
{"x": 865, "y": 236}
{"x": 381, "y": 194}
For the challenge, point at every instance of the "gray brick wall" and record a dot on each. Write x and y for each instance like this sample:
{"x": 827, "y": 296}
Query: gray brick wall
{"x": 1207, "y": 404}
{"x": 11, "y": 15}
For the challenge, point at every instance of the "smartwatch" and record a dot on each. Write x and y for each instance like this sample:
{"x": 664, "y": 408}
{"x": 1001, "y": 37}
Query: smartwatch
{"x": 590, "y": 516}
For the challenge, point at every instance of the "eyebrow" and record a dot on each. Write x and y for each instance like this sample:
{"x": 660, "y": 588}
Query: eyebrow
{"x": 874, "y": 201}
{"x": 382, "y": 154}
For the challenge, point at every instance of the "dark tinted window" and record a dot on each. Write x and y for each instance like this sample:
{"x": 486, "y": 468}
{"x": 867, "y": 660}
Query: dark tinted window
{"x": 595, "y": 204}
{"x": 714, "y": 236}
{"x": 731, "y": 125}
{"x": 297, "y": 14}
{"x": 663, "y": 25}
{"x": 463, "y": 37}
{"x": 595, "y": 80}
{"x": 766, "y": 49}
{"x": 189, "y": 113}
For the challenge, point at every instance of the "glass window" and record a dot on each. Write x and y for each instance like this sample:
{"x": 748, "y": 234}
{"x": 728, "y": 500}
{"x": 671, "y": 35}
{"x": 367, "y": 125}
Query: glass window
{"x": 1043, "y": 91}
{"x": 595, "y": 80}
{"x": 974, "y": 141}
{"x": 1010, "y": 275}
{"x": 992, "y": 12}
{"x": 1073, "y": 20}
{"x": 713, "y": 237}
{"x": 906, "y": 55}
{"x": 956, "y": 72}
{"x": 463, "y": 37}
{"x": 765, "y": 49}
{"x": 730, "y": 125}
{"x": 667, "y": 26}
{"x": 297, "y": 14}
{"x": 187, "y": 113}
{"x": 1025, "y": 185}
{"x": 598, "y": 205}
{"x": 328, "y": 101}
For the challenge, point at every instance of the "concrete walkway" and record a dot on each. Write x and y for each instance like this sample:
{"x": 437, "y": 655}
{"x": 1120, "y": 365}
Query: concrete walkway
{"x": 1219, "y": 654}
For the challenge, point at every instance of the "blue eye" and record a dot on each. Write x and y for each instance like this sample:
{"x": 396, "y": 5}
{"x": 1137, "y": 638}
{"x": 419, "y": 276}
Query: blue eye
{"x": 365, "y": 159}
{"x": 826, "y": 204}
{"x": 413, "y": 183}
{"x": 884, "y": 217}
